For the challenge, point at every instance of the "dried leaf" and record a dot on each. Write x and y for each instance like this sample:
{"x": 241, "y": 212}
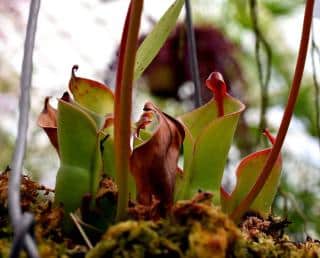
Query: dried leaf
{"x": 154, "y": 161}
{"x": 47, "y": 120}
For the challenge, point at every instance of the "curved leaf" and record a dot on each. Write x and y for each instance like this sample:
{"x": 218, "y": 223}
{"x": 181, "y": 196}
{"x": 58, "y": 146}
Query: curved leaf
{"x": 154, "y": 161}
{"x": 247, "y": 173}
{"x": 95, "y": 96}
{"x": 156, "y": 38}
{"x": 47, "y": 120}
{"x": 143, "y": 134}
{"x": 80, "y": 159}
{"x": 209, "y": 135}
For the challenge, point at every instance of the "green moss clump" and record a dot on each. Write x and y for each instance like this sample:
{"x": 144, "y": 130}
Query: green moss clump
{"x": 267, "y": 247}
{"x": 137, "y": 239}
{"x": 265, "y": 238}
{"x": 195, "y": 229}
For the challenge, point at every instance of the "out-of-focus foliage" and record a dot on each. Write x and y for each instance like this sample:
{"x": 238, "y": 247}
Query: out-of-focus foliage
{"x": 305, "y": 108}
{"x": 301, "y": 207}
{"x": 281, "y": 7}
{"x": 234, "y": 19}
{"x": 6, "y": 145}
{"x": 171, "y": 68}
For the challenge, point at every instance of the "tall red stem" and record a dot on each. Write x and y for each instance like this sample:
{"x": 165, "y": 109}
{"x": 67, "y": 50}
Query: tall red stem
{"x": 123, "y": 103}
{"x": 245, "y": 204}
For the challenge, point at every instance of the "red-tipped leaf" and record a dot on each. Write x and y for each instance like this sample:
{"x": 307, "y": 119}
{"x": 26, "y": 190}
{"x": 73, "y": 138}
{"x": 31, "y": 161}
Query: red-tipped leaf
{"x": 247, "y": 173}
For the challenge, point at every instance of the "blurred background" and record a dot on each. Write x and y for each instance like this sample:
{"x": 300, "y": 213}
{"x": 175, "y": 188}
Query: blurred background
{"x": 252, "y": 43}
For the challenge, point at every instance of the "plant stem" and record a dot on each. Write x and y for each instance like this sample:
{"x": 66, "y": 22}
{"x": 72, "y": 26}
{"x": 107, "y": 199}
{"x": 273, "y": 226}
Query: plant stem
{"x": 264, "y": 77}
{"x": 245, "y": 204}
{"x": 123, "y": 103}
{"x": 83, "y": 234}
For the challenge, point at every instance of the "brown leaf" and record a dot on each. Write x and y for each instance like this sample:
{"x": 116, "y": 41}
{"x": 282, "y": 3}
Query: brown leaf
{"x": 154, "y": 163}
{"x": 47, "y": 120}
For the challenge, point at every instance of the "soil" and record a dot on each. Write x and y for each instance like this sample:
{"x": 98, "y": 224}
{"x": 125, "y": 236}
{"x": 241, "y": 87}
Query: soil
{"x": 194, "y": 228}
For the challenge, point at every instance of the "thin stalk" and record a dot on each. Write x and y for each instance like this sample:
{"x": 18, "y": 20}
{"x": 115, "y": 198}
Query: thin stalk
{"x": 17, "y": 218}
{"x": 192, "y": 49}
{"x": 123, "y": 103}
{"x": 264, "y": 77}
{"x": 83, "y": 234}
{"x": 295, "y": 205}
{"x": 275, "y": 151}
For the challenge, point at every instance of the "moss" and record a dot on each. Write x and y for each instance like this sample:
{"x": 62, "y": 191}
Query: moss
{"x": 266, "y": 247}
{"x": 48, "y": 232}
{"x": 265, "y": 238}
{"x": 193, "y": 229}
{"x": 5, "y": 247}
{"x": 139, "y": 239}
{"x": 205, "y": 244}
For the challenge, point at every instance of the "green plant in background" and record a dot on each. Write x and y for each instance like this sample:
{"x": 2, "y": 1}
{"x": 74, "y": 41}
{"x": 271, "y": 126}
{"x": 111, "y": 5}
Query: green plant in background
{"x": 88, "y": 146}
{"x": 299, "y": 206}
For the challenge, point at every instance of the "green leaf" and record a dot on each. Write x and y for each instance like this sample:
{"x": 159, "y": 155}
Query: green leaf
{"x": 206, "y": 146}
{"x": 106, "y": 139}
{"x": 108, "y": 155}
{"x": 80, "y": 158}
{"x": 92, "y": 95}
{"x": 284, "y": 7}
{"x": 247, "y": 173}
{"x": 156, "y": 38}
